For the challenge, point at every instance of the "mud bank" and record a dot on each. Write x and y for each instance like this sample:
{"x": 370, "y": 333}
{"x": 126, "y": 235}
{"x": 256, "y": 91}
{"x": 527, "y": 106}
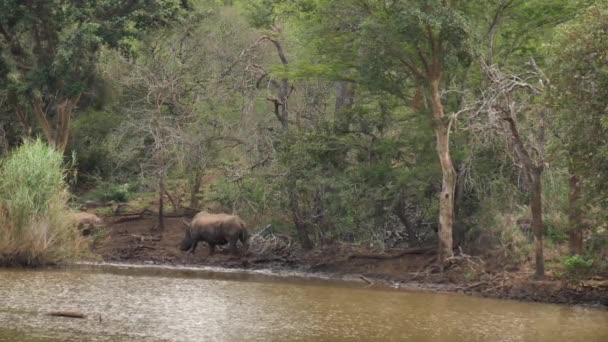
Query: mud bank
{"x": 132, "y": 245}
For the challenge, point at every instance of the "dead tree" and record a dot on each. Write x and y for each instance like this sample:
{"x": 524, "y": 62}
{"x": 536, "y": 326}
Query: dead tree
{"x": 509, "y": 104}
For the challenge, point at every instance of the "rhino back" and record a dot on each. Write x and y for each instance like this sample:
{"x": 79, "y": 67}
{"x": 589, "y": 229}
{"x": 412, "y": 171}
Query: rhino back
{"x": 87, "y": 218}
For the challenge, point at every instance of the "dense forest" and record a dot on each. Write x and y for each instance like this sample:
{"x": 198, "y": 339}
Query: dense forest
{"x": 475, "y": 127}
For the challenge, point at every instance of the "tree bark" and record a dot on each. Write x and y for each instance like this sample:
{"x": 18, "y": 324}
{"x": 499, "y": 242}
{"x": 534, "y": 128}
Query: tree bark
{"x": 161, "y": 204}
{"x": 196, "y": 187}
{"x": 448, "y": 185}
{"x": 401, "y": 213}
{"x": 345, "y": 98}
{"x": 284, "y": 91}
{"x": 57, "y": 134}
{"x": 537, "y": 219}
{"x": 301, "y": 226}
{"x": 574, "y": 216}
{"x": 534, "y": 179}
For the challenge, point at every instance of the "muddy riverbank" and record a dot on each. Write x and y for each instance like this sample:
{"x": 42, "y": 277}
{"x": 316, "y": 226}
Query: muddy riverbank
{"x": 132, "y": 242}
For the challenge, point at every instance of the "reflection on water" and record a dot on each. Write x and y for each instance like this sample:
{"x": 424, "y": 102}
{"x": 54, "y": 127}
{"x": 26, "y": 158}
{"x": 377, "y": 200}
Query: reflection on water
{"x": 131, "y": 306}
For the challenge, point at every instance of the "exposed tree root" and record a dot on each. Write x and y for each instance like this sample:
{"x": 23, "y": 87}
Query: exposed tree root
{"x": 409, "y": 251}
{"x": 476, "y": 285}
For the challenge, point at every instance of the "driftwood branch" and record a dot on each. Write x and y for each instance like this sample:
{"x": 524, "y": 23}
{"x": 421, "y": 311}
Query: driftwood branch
{"x": 67, "y": 314}
{"x": 367, "y": 280}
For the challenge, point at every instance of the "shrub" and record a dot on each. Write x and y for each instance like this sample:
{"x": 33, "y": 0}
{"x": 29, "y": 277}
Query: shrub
{"x": 35, "y": 224}
{"x": 250, "y": 194}
{"x": 556, "y": 227}
{"x": 515, "y": 243}
{"x": 578, "y": 266}
{"x": 108, "y": 191}
{"x": 89, "y": 132}
{"x": 116, "y": 192}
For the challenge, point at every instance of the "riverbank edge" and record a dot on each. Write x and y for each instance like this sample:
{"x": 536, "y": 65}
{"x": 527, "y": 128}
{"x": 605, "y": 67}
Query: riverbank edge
{"x": 541, "y": 291}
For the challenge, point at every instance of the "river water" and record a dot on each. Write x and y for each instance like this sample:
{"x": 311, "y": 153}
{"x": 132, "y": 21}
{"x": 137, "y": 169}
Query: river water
{"x": 184, "y": 305}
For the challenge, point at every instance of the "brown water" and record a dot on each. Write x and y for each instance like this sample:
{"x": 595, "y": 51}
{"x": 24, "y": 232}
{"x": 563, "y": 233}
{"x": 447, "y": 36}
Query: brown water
{"x": 184, "y": 305}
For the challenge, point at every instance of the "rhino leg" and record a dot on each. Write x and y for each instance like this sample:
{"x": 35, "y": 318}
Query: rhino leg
{"x": 193, "y": 247}
{"x": 211, "y": 249}
{"x": 233, "y": 249}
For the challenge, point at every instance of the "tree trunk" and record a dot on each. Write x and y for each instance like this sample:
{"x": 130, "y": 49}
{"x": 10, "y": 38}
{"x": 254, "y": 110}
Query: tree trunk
{"x": 459, "y": 231}
{"x": 345, "y": 98}
{"x": 196, "y": 187}
{"x": 574, "y": 216}
{"x": 401, "y": 213}
{"x": 537, "y": 219}
{"x": 448, "y": 185}
{"x": 301, "y": 226}
{"x": 57, "y": 134}
{"x": 284, "y": 97}
{"x": 64, "y": 118}
{"x": 161, "y": 204}
{"x": 284, "y": 90}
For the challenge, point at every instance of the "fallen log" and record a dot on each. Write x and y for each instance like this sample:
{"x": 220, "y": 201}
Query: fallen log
{"x": 409, "y": 251}
{"x": 67, "y": 314}
{"x": 131, "y": 217}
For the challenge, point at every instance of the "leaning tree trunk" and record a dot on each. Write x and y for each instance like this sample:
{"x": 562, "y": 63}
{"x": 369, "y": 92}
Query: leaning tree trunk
{"x": 401, "y": 212}
{"x": 537, "y": 219}
{"x": 574, "y": 216}
{"x": 448, "y": 184}
{"x": 57, "y": 133}
{"x": 281, "y": 106}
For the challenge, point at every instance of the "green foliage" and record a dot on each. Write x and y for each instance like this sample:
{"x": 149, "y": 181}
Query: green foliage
{"x": 50, "y": 51}
{"x": 556, "y": 227}
{"x": 248, "y": 194}
{"x": 261, "y": 13}
{"x": 578, "y": 63}
{"x": 31, "y": 177}
{"x": 35, "y": 223}
{"x": 578, "y": 266}
{"x": 386, "y": 46}
{"x": 523, "y": 26}
{"x": 89, "y": 133}
{"x": 180, "y": 100}
{"x": 114, "y": 192}
{"x": 73, "y": 33}
{"x": 348, "y": 179}
{"x": 104, "y": 212}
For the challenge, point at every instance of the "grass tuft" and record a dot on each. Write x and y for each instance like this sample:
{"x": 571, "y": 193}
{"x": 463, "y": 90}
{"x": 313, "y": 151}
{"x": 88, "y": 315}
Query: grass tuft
{"x": 36, "y": 227}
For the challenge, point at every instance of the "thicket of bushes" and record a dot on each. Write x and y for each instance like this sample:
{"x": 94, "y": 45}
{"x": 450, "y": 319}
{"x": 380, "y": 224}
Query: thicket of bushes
{"x": 36, "y": 226}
